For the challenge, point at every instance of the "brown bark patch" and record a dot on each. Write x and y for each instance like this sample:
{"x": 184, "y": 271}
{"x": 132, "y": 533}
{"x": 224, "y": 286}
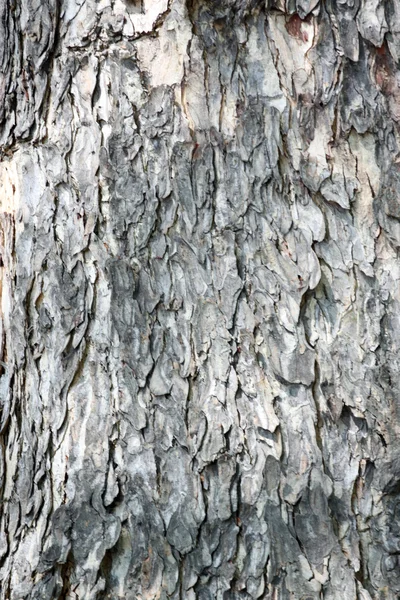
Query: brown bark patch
{"x": 294, "y": 28}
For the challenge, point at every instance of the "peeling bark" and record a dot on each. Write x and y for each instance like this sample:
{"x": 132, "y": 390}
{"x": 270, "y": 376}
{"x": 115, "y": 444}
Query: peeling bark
{"x": 199, "y": 281}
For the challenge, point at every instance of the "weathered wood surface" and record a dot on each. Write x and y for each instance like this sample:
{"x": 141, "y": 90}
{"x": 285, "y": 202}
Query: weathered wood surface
{"x": 200, "y": 323}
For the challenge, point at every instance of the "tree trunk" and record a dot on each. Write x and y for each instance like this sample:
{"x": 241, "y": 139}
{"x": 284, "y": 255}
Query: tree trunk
{"x": 199, "y": 334}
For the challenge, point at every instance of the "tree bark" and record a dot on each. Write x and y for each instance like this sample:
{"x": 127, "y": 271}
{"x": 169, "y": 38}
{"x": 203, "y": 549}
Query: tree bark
{"x": 199, "y": 280}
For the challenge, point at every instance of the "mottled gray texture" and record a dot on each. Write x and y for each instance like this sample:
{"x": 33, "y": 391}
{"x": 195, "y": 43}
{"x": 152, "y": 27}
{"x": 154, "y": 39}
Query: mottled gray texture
{"x": 200, "y": 299}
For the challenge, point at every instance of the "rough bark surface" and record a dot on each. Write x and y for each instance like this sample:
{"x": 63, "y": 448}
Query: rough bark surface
{"x": 200, "y": 322}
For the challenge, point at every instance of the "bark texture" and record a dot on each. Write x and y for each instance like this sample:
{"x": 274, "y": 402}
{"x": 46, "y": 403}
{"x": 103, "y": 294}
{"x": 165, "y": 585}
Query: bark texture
{"x": 200, "y": 322}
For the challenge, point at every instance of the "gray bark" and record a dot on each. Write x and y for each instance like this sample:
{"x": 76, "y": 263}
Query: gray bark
{"x": 199, "y": 333}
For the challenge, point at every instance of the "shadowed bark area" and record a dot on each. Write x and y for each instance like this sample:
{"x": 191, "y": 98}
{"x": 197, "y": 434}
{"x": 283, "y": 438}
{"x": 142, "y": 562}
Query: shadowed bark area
{"x": 200, "y": 300}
